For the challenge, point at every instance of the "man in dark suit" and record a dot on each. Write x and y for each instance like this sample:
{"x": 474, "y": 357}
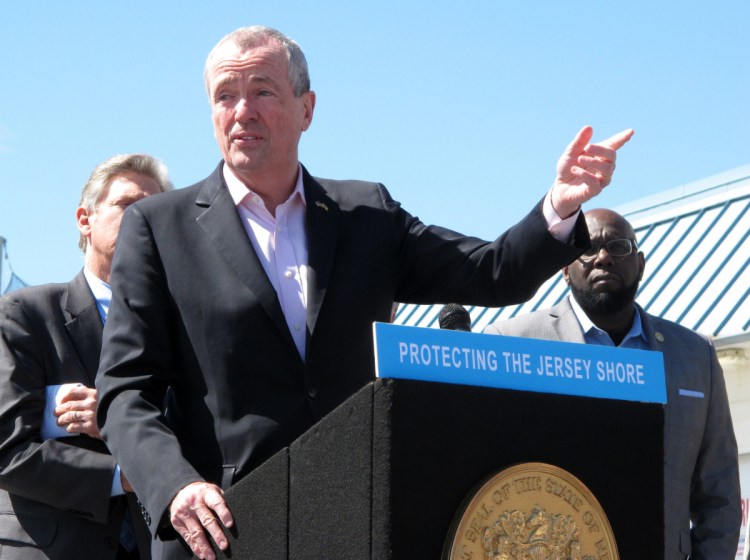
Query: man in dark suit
{"x": 252, "y": 293}
{"x": 61, "y": 492}
{"x": 701, "y": 489}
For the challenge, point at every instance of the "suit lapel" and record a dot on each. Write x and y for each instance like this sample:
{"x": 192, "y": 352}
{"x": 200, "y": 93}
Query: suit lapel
{"x": 323, "y": 218}
{"x": 221, "y": 223}
{"x": 565, "y": 323}
{"x": 84, "y": 324}
{"x": 651, "y": 328}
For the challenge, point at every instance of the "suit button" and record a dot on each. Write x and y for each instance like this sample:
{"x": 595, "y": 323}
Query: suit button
{"x": 110, "y": 543}
{"x": 311, "y": 392}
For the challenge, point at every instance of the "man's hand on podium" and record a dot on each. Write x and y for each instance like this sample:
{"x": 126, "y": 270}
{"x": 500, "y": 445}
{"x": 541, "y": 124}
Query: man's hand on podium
{"x": 196, "y": 507}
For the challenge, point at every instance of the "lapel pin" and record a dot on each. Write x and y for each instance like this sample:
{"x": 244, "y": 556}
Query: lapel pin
{"x": 659, "y": 336}
{"x": 322, "y": 205}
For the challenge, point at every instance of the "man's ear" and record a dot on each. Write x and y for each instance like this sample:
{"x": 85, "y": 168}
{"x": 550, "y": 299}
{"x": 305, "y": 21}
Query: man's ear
{"x": 309, "y": 104}
{"x": 83, "y": 221}
{"x": 566, "y": 276}
{"x": 641, "y": 265}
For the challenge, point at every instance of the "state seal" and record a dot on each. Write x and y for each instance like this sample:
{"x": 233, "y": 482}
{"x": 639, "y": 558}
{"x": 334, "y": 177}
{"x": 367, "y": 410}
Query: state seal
{"x": 531, "y": 511}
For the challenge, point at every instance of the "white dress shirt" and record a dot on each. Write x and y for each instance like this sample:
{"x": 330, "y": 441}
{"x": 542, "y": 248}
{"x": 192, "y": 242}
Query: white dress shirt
{"x": 280, "y": 242}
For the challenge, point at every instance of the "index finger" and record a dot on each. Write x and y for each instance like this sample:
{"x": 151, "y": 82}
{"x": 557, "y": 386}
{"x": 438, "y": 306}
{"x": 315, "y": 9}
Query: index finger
{"x": 618, "y": 140}
{"x": 77, "y": 393}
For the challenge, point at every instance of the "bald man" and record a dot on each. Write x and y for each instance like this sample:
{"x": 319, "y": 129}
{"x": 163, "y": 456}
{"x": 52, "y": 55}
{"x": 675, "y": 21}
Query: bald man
{"x": 701, "y": 477}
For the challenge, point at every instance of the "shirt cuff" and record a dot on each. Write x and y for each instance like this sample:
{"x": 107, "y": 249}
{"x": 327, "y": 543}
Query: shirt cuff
{"x": 559, "y": 229}
{"x": 116, "y": 484}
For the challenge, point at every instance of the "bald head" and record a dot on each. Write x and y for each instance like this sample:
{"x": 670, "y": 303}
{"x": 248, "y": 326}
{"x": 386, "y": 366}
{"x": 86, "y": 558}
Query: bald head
{"x": 602, "y": 219}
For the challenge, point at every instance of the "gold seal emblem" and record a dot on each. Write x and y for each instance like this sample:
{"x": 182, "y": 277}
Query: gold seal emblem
{"x": 531, "y": 511}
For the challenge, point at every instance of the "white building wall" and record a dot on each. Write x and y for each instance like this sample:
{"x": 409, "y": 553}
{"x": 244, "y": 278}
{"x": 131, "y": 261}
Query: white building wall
{"x": 736, "y": 368}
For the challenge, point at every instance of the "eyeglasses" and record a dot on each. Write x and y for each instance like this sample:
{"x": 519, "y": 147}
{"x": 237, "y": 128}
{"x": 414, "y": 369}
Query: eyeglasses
{"x": 615, "y": 247}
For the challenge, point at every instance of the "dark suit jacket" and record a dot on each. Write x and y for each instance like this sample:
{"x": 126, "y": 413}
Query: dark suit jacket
{"x": 54, "y": 495}
{"x": 194, "y": 310}
{"x": 701, "y": 472}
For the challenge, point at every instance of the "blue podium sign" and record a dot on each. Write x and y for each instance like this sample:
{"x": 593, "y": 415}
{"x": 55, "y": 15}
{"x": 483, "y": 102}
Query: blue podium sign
{"x": 525, "y": 364}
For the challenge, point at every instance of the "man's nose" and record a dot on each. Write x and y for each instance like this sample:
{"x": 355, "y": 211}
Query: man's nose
{"x": 245, "y": 111}
{"x": 603, "y": 257}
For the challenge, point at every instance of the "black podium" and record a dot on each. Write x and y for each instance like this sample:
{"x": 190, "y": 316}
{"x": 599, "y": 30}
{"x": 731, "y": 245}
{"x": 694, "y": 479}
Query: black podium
{"x": 384, "y": 475}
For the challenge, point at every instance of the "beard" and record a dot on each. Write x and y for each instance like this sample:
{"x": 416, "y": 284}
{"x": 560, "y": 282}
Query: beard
{"x": 602, "y": 303}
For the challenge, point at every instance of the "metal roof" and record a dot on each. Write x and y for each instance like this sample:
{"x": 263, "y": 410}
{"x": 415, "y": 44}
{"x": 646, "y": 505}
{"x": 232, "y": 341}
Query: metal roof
{"x": 696, "y": 239}
{"x": 13, "y": 282}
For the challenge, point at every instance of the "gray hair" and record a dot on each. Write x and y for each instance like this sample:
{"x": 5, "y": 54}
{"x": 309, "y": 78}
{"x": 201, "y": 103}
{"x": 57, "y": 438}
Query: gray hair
{"x": 247, "y": 38}
{"x": 104, "y": 173}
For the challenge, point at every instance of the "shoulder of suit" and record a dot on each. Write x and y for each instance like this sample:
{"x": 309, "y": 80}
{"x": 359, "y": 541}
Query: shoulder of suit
{"x": 178, "y": 198}
{"x": 352, "y": 192}
{"x": 347, "y": 183}
{"x": 670, "y": 329}
{"x": 171, "y": 198}
{"x": 167, "y": 207}
{"x": 519, "y": 323}
{"x": 31, "y": 294}
{"x": 34, "y": 300}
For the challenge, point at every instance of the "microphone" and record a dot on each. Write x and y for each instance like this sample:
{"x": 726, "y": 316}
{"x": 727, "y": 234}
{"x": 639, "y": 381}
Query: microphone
{"x": 454, "y": 317}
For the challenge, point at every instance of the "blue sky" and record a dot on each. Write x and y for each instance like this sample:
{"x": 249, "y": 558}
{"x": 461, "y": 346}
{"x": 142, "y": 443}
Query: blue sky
{"x": 460, "y": 108}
